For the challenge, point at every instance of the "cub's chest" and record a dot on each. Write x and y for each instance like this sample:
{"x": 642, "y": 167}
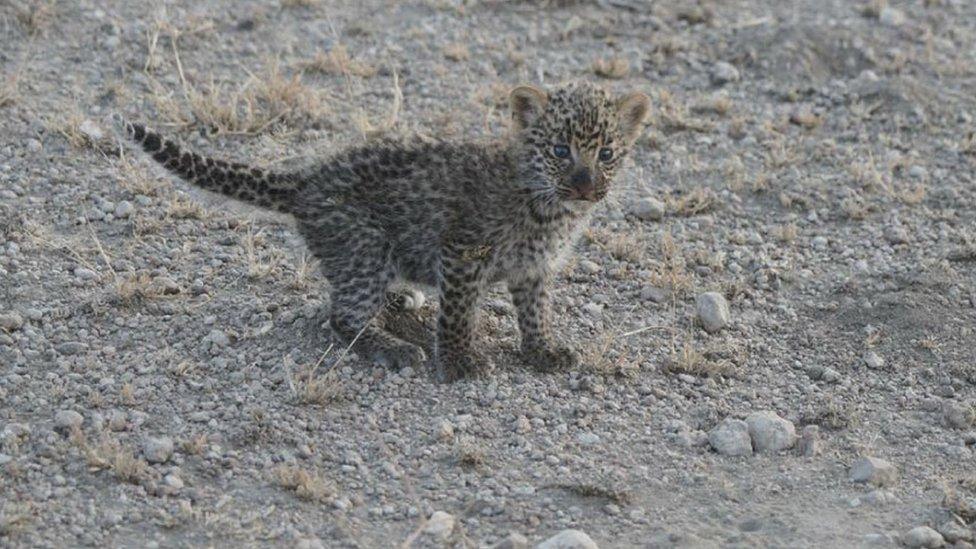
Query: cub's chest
{"x": 531, "y": 252}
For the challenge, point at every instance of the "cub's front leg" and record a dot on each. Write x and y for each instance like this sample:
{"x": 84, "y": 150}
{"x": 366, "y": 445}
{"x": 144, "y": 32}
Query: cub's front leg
{"x": 462, "y": 282}
{"x": 531, "y": 298}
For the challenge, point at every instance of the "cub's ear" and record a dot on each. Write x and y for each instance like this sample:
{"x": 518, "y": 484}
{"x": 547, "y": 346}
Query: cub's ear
{"x": 632, "y": 109}
{"x": 527, "y": 103}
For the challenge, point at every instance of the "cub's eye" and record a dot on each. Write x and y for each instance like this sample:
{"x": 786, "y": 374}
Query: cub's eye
{"x": 561, "y": 151}
{"x": 606, "y": 154}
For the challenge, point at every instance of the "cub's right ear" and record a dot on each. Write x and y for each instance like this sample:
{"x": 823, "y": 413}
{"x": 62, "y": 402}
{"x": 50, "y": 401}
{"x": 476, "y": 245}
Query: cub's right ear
{"x": 527, "y": 104}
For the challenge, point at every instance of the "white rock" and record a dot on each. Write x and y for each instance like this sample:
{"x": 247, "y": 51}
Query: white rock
{"x": 445, "y": 430}
{"x": 723, "y": 73}
{"x": 440, "y": 524}
{"x": 769, "y": 432}
{"x": 157, "y": 450}
{"x": 91, "y": 130}
{"x": 68, "y": 419}
{"x": 588, "y": 439}
{"x": 892, "y": 17}
{"x": 11, "y": 321}
{"x": 731, "y": 438}
{"x": 953, "y": 530}
{"x": 569, "y": 539}
{"x": 873, "y": 360}
{"x": 924, "y": 537}
{"x": 85, "y": 273}
{"x": 124, "y": 209}
{"x": 649, "y": 209}
{"x": 713, "y": 311}
{"x": 875, "y": 471}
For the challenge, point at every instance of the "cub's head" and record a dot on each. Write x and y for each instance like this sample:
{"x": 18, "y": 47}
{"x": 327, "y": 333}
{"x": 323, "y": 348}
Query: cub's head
{"x": 572, "y": 140}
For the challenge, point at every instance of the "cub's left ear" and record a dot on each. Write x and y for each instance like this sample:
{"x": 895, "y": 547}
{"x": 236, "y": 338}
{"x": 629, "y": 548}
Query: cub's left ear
{"x": 632, "y": 110}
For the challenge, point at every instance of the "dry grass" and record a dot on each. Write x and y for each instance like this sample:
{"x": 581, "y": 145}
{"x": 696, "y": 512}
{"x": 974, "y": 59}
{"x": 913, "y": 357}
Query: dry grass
{"x": 337, "y": 61}
{"x": 457, "y": 51}
{"x": 35, "y": 16}
{"x": 687, "y": 359}
{"x": 786, "y": 233}
{"x": 308, "y": 386}
{"x": 600, "y": 356}
{"x": 698, "y": 201}
{"x": 671, "y": 271}
{"x": 300, "y": 3}
{"x": 620, "y": 246}
{"x": 305, "y": 269}
{"x": 182, "y": 207}
{"x": 196, "y": 445}
{"x": 135, "y": 178}
{"x": 469, "y": 454}
{"x": 259, "y": 267}
{"x": 616, "y": 495}
{"x": 14, "y": 516}
{"x": 719, "y": 104}
{"x": 111, "y": 454}
{"x": 612, "y": 67}
{"x": 307, "y": 485}
{"x": 368, "y": 129}
{"x": 137, "y": 287}
{"x": 256, "y": 106}
{"x": 9, "y": 90}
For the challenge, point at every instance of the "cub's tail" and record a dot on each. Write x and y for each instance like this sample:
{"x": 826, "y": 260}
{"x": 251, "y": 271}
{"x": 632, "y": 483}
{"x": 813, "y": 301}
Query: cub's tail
{"x": 254, "y": 185}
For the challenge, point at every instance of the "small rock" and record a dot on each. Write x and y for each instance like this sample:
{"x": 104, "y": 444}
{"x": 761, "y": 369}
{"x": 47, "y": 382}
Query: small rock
{"x": 723, "y": 73}
{"x": 875, "y": 471}
{"x": 918, "y": 172}
{"x": 923, "y": 536}
{"x": 67, "y": 420}
{"x": 513, "y": 540}
{"x": 594, "y": 310}
{"x": 657, "y": 295}
{"x": 157, "y": 450}
{"x": 873, "y": 360}
{"x": 810, "y": 444}
{"x": 569, "y": 539}
{"x": 896, "y": 235}
{"x": 893, "y": 17}
{"x": 91, "y": 130}
{"x": 769, "y": 432}
{"x": 649, "y": 209}
{"x": 959, "y": 416}
{"x": 33, "y": 145}
{"x": 69, "y": 348}
{"x": 85, "y": 273}
{"x": 589, "y": 266}
{"x": 445, "y": 431}
{"x": 124, "y": 209}
{"x": 11, "y": 321}
{"x": 174, "y": 482}
{"x": 731, "y": 438}
{"x": 588, "y": 439}
{"x": 440, "y": 524}
{"x": 166, "y": 285}
{"x": 713, "y": 311}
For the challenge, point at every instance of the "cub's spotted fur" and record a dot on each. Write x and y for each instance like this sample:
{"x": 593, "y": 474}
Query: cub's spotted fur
{"x": 457, "y": 216}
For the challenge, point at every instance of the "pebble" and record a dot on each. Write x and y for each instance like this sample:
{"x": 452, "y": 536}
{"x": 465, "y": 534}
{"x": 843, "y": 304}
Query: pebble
{"x": 873, "y": 360}
{"x": 713, "y": 311}
{"x": 723, "y": 73}
{"x": 69, "y": 348}
{"x": 594, "y": 310}
{"x": 769, "y": 432}
{"x": 33, "y": 145}
{"x": 157, "y": 450}
{"x": 650, "y": 293}
{"x": 440, "y": 524}
{"x": 896, "y": 235}
{"x": 923, "y": 536}
{"x": 91, "y": 130}
{"x": 874, "y": 471}
{"x": 649, "y": 209}
{"x": 589, "y": 266}
{"x": 569, "y": 539}
{"x": 513, "y": 540}
{"x": 588, "y": 439}
{"x": 11, "y": 321}
{"x": 85, "y": 273}
{"x": 445, "y": 431}
{"x": 731, "y": 438}
{"x": 893, "y": 17}
{"x": 959, "y": 416}
{"x": 124, "y": 209}
{"x": 67, "y": 419}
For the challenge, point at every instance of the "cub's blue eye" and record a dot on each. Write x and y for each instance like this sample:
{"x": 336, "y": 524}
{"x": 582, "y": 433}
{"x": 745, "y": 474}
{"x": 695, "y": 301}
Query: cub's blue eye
{"x": 606, "y": 154}
{"x": 561, "y": 151}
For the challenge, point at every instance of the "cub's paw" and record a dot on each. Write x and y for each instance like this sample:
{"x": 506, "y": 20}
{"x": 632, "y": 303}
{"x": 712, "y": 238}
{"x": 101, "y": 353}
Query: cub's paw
{"x": 551, "y": 357}
{"x": 400, "y": 356}
{"x": 451, "y": 368}
{"x": 405, "y": 299}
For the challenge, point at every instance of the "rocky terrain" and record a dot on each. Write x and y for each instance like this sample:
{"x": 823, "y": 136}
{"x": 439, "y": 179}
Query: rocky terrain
{"x": 777, "y": 306}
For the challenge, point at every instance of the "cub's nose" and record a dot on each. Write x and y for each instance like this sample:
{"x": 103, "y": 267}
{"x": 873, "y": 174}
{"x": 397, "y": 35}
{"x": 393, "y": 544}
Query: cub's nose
{"x": 581, "y": 185}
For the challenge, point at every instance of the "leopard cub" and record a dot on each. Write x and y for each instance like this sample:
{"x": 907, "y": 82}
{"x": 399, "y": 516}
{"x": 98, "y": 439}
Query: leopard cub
{"x": 458, "y": 216}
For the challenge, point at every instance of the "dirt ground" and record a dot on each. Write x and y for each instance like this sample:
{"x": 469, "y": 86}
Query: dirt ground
{"x": 167, "y": 377}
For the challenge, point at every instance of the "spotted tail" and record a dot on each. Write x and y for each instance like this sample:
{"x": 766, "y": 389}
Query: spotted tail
{"x": 254, "y": 185}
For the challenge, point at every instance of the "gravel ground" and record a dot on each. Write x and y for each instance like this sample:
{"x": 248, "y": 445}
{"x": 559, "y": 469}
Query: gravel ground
{"x": 778, "y": 305}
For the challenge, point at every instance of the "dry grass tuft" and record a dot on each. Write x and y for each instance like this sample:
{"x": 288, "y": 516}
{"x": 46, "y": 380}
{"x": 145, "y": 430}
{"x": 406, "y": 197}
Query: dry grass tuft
{"x": 369, "y": 129}
{"x": 310, "y": 387}
{"x": 182, "y": 207}
{"x": 196, "y": 445}
{"x": 9, "y": 90}
{"x": 671, "y": 271}
{"x": 259, "y": 267}
{"x": 786, "y": 233}
{"x": 35, "y": 16}
{"x": 687, "y": 359}
{"x": 338, "y": 62}
{"x": 111, "y": 454}
{"x": 600, "y": 357}
{"x": 469, "y": 454}
{"x": 137, "y": 287}
{"x": 457, "y": 51}
{"x": 307, "y": 485}
{"x": 14, "y": 517}
{"x": 256, "y": 106}
{"x": 613, "y": 67}
{"x": 697, "y": 201}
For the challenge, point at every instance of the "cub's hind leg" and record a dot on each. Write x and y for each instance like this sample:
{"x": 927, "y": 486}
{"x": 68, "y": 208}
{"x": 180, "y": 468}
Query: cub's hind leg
{"x": 356, "y": 261}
